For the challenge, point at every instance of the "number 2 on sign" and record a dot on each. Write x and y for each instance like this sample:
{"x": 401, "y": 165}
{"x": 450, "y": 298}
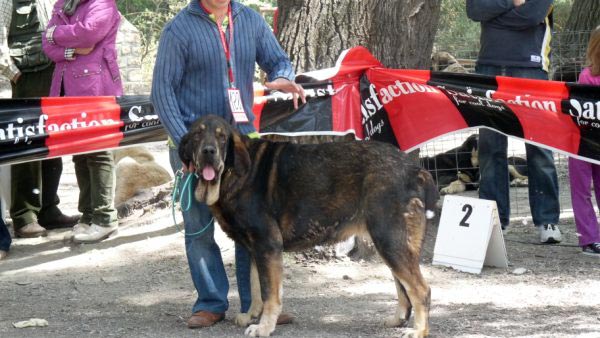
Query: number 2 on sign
{"x": 468, "y": 209}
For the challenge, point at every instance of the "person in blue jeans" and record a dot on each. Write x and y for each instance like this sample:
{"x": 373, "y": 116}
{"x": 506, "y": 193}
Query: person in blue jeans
{"x": 515, "y": 41}
{"x": 204, "y": 255}
{"x": 205, "y": 65}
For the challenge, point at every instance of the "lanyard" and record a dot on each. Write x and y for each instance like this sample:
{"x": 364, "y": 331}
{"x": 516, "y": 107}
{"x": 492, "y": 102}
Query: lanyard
{"x": 227, "y": 46}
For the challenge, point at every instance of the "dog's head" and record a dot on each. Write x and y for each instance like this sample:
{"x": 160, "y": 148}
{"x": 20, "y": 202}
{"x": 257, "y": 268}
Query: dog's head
{"x": 213, "y": 149}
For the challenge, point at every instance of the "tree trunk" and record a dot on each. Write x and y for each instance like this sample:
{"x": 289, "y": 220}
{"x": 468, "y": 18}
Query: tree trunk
{"x": 399, "y": 33}
{"x": 571, "y": 44}
{"x": 584, "y": 16}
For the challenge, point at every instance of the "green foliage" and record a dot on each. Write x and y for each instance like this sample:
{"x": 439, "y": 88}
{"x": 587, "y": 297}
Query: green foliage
{"x": 150, "y": 16}
{"x": 457, "y": 34}
{"x": 562, "y": 8}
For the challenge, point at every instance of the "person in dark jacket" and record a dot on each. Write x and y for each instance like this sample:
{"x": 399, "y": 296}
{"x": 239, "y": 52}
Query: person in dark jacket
{"x": 34, "y": 184}
{"x": 515, "y": 41}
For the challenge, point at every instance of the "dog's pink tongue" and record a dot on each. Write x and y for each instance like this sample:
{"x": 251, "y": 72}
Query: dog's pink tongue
{"x": 208, "y": 173}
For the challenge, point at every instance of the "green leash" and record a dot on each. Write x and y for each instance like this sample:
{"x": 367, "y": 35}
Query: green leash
{"x": 178, "y": 196}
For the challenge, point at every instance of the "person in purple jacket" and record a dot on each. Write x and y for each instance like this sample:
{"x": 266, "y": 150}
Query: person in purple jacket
{"x": 585, "y": 176}
{"x": 80, "y": 39}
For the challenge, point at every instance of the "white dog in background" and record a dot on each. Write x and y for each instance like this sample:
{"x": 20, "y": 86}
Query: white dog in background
{"x": 136, "y": 170}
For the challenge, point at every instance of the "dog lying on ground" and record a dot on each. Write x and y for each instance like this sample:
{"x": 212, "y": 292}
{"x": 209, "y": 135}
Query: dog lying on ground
{"x": 446, "y": 62}
{"x": 136, "y": 170}
{"x": 457, "y": 169}
{"x": 278, "y": 196}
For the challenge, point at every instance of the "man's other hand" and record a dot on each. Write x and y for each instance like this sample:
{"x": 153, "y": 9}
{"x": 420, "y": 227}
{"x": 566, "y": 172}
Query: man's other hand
{"x": 290, "y": 87}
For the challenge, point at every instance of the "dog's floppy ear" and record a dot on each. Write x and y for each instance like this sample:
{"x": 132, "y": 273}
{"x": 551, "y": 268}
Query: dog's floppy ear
{"x": 238, "y": 157}
{"x": 184, "y": 150}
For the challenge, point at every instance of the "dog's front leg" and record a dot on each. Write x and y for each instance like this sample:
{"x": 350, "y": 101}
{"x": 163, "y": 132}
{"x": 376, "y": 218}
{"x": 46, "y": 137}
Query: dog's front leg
{"x": 256, "y": 307}
{"x": 270, "y": 271}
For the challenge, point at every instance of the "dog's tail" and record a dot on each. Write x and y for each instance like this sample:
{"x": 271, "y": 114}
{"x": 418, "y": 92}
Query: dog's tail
{"x": 431, "y": 193}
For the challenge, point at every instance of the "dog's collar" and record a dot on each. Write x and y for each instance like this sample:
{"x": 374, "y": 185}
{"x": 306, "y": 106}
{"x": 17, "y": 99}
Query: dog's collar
{"x": 253, "y": 135}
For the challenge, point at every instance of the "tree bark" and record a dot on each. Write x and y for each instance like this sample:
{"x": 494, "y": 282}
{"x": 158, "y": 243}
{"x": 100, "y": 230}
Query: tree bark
{"x": 571, "y": 43}
{"x": 584, "y": 16}
{"x": 399, "y": 33}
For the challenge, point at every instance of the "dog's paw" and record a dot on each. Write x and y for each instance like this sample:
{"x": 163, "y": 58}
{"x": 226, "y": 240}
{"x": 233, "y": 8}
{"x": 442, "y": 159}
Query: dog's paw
{"x": 258, "y": 330}
{"x": 412, "y": 333}
{"x": 519, "y": 182}
{"x": 244, "y": 319}
{"x": 395, "y": 321}
{"x": 453, "y": 188}
{"x": 449, "y": 190}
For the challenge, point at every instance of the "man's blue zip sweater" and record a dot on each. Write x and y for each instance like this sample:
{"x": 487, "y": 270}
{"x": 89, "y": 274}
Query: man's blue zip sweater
{"x": 190, "y": 75}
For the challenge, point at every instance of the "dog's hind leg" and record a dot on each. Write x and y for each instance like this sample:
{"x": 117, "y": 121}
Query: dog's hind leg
{"x": 399, "y": 243}
{"x": 270, "y": 271}
{"x": 400, "y": 318}
{"x": 419, "y": 295}
{"x": 256, "y": 307}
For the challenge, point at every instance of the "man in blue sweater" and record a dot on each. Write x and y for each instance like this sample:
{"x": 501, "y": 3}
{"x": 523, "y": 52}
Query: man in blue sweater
{"x": 205, "y": 65}
{"x": 515, "y": 41}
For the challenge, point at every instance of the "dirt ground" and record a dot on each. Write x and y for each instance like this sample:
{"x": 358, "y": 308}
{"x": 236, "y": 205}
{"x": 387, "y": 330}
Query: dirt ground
{"x": 137, "y": 284}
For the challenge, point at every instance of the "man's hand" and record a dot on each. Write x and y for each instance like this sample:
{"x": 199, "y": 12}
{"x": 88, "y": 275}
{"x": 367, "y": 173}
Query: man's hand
{"x": 518, "y": 3}
{"x": 187, "y": 167}
{"x": 290, "y": 87}
{"x": 84, "y": 51}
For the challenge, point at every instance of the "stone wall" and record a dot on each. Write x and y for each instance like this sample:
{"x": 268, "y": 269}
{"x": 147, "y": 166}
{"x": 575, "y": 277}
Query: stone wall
{"x": 129, "y": 46}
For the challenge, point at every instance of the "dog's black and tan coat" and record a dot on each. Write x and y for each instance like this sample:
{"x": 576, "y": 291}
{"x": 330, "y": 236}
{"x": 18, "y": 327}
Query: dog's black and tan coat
{"x": 278, "y": 196}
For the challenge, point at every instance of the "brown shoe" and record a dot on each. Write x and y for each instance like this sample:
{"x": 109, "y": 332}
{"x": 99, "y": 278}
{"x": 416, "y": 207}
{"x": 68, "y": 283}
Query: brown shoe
{"x": 31, "y": 230}
{"x": 62, "y": 221}
{"x": 3, "y": 254}
{"x": 285, "y": 318}
{"x": 204, "y": 319}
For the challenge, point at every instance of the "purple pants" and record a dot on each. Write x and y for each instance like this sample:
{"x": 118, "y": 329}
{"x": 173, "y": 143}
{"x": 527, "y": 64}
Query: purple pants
{"x": 581, "y": 175}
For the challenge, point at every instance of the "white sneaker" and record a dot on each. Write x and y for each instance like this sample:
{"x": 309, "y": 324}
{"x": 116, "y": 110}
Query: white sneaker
{"x": 549, "y": 233}
{"x": 78, "y": 228}
{"x": 94, "y": 233}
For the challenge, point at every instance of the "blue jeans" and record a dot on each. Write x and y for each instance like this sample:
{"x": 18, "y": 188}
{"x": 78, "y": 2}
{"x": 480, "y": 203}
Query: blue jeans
{"x": 493, "y": 164}
{"x": 5, "y": 239}
{"x": 205, "y": 261}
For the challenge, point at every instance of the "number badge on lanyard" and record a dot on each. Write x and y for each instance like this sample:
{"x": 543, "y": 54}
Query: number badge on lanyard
{"x": 235, "y": 98}
{"x": 237, "y": 108}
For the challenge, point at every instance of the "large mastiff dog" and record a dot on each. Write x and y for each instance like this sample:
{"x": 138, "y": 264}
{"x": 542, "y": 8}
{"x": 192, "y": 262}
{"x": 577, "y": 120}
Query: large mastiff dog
{"x": 278, "y": 196}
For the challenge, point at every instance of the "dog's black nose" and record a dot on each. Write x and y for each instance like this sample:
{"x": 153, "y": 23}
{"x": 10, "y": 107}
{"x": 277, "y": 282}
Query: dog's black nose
{"x": 209, "y": 150}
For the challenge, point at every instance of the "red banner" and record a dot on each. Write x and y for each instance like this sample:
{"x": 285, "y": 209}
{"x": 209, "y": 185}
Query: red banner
{"x": 38, "y": 128}
{"x": 404, "y": 107}
{"x": 410, "y": 107}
